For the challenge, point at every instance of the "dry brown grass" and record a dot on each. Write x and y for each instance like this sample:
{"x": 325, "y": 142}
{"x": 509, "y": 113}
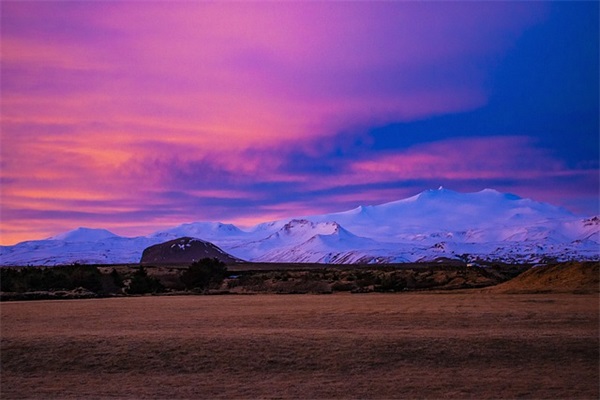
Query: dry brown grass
{"x": 456, "y": 345}
{"x": 573, "y": 277}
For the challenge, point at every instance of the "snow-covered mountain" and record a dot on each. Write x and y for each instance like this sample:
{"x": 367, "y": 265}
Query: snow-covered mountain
{"x": 84, "y": 235}
{"x": 81, "y": 245}
{"x": 435, "y": 223}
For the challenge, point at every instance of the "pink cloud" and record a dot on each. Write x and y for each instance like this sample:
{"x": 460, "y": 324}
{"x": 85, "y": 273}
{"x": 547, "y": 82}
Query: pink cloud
{"x": 254, "y": 73}
{"x": 225, "y": 76}
{"x": 506, "y": 157}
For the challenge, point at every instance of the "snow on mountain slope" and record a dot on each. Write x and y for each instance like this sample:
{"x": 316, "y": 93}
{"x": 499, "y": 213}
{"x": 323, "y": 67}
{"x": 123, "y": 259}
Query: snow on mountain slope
{"x": 326, "y": 242}
{"x": 298, "y": 230}
{"x": 111, "y": 250}
{"x": 266, "y": 239}
{"x": 207, "y": 230}
{"x": 582, "y": 230}
{"x": 84, "y": 235}
{"x": 317, "y": 237}
{"x": 444, "y": 211}
{"x": 435, "y": 223}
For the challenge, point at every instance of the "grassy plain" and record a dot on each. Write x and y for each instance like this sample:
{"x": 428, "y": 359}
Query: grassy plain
{"x": 411, "y": 345}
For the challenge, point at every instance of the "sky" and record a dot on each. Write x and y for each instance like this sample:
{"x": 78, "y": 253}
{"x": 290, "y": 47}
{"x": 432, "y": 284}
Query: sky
{"x": 136, "y": 116}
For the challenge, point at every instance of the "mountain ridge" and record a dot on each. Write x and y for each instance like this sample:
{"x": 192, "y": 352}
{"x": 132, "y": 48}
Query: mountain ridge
{"x": 487, "y": 225}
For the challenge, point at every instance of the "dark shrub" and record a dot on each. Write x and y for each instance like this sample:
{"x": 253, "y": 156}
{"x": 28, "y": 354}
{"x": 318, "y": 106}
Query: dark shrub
{"x": 204, "y": 274}
{"x": 116, "y": 278}
{"x": 112, "y": 283}
{"x": 33, "y": 278}
{"x": 11, "y": 280}
{"x": 50, "y": 278}
{"x": 86, "y": 277}
{"x": 343, "y": 286}
{"x": 365, "y": 278}
{"x": 391, "y": 283}
{"x": 56, "y": 278}
{"x": 142, "y": 283}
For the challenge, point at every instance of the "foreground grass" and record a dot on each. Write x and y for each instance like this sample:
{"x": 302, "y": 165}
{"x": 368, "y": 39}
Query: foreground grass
{"x": 459, "y": 345}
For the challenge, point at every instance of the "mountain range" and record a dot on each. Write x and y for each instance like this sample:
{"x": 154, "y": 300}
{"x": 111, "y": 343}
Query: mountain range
{"x": 486, "y": 225}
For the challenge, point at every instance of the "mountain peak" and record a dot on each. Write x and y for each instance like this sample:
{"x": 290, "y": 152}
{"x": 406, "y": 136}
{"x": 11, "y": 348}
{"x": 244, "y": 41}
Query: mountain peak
{"x": 83, "y": 234}
{"x": 494, "y": 192}
{"x": 301, "y": 226}
{"x": 206, "y": 230}
{"x": 440, "y": 192}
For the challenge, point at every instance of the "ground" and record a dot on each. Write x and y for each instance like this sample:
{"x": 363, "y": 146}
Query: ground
{"x": 468, "y": 344}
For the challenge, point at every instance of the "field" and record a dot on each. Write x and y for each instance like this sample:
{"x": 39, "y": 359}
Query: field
{"x": 466, "y": 344}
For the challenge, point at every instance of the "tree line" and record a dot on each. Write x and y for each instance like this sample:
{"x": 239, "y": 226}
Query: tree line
{"x": 198, "y": 277}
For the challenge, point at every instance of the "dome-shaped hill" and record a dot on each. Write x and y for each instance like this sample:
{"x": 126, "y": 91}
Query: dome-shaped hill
{"x": 571, "y": 277}
{"x": 184, "y": 250}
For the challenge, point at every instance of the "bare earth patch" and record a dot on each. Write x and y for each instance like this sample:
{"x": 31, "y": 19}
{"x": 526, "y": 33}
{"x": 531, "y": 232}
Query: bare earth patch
{"x": 425, "y": 345}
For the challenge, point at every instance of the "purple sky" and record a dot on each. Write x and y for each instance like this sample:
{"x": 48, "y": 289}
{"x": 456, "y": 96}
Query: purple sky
{"x": 134, "y": 116}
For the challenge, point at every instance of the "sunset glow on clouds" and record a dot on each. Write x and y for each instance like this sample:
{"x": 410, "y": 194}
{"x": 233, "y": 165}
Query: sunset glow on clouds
{"x": 139, "y": 115}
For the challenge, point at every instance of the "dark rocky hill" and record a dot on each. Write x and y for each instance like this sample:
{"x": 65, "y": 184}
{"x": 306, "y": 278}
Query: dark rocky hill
{"x": 184, "y": 250}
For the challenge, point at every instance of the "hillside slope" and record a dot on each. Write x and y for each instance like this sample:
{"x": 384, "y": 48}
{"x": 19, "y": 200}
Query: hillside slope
{"x": 573, "y": 277}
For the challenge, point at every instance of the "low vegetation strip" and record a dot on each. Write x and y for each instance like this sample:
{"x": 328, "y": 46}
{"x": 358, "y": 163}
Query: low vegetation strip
{"x": 211, "y": 276}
